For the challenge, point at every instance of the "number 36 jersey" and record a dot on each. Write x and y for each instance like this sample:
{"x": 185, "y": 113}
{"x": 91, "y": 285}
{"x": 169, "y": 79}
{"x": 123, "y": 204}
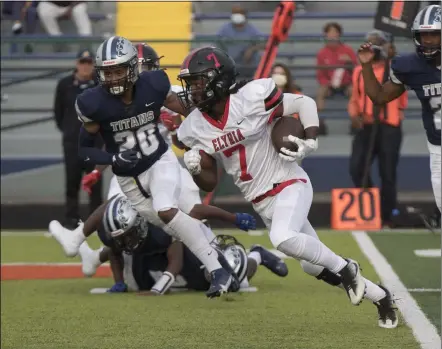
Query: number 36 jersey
{"x": 417, "y": 74}
{"x": 129, "y": 127}
{"x": 241, "y": 139}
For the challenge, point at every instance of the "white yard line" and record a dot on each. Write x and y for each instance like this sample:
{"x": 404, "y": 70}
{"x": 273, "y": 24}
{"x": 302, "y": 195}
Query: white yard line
{"x": 424, "y": 290}
{"x": 423, "y": 330}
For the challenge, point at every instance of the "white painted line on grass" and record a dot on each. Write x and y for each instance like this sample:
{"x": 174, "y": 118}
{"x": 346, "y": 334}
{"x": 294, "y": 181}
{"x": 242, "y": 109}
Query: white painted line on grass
{"x": 424, "y": 290}
{"x": 429, "y": 253}
{"x": 423, "y": 330}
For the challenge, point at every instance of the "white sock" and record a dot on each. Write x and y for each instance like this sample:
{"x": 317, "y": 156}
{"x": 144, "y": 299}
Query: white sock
{"x": 373, "y": 292}
{"x": 191, "y": 232}
{"x": 305, "y": 247}
{"x": 256, "y": 256}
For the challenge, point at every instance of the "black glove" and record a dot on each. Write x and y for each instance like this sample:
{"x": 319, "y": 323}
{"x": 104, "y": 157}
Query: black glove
{"x": 126, "y": 160}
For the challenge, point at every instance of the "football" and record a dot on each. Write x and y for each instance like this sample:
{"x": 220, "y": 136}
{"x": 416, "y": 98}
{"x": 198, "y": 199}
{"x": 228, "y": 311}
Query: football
{"x": 284, "y": 127}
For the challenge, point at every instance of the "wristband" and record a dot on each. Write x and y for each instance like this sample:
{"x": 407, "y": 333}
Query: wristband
{"x": 173, "y": 133}
{"x": 163, "y": 284}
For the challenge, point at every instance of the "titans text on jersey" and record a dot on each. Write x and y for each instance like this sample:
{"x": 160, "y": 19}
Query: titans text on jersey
{"x": 416, "y": 74}
{"x": 129, "y": 127}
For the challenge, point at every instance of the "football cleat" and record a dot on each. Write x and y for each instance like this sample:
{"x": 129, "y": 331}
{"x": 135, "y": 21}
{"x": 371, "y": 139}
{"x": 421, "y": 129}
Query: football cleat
{"x": 353, "y": 282}
{"x": 220, "y": 283}
{"x": 70, "y": 240}
{"x": 387, "y": 310}
{"x": 272, "y": 262}
{"x": 90, "y": 259}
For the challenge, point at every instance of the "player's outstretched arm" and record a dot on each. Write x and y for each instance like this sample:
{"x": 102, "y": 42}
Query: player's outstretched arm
{"x": 242, "y": 221}
{"x": 379, "y": 94}
{"x": 173, "y": 103}
{"x": 117, "y": 265}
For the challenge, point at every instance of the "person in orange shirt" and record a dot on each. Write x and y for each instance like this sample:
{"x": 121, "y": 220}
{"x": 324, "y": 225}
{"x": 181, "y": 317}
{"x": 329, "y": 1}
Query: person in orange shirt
{"x": 379, "y": 132}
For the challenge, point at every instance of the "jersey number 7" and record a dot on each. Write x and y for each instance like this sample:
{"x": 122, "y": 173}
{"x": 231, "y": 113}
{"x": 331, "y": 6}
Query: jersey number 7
{"x": 245, "y": 176}
{"x": 145, "y": 137}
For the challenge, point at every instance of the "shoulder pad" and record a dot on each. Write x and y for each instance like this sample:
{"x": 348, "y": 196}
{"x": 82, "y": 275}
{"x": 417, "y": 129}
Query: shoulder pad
{"x": 403, "y": 64}
{"x": 87, "y": 103}
{"x": 260, "y": 96}
{"x": 158, "y": 80}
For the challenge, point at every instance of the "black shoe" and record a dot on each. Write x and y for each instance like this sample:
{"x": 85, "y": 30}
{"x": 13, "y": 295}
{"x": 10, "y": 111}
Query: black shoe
{"x": 387, "y": 310}
{"x": 220, "y": 283}
{"x": 353, "y": 282}
{"x": 71, "y": 223}
{"x": 272, "y": 262}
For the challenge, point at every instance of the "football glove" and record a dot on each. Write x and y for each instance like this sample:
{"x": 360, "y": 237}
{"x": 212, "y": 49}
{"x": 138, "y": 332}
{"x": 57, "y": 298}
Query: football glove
{"x": 126, "y": 160}
{"x": 119, "y": 287}
{"x": 192, "y": 159}
{"x": 168, "y": 122}
{"x": 245, "y": 221}
{"x": 90, "y": 180}
{"x": 305, "y": 147}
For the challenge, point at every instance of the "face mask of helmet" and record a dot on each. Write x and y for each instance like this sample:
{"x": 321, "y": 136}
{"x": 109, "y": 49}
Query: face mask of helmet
{"x": 280, "y": 80}
{"x": 238, "y": 18}
{"x": 118, "y": 79}
{"x": 130, "y": 240}
{"x": 427, "y": 50}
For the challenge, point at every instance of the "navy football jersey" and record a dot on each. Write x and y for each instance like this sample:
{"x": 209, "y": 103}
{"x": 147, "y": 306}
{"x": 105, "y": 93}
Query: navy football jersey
{"x": 418, "y": 75}
{"x": 129, "y": 127}
{"x": 150, "y": 261}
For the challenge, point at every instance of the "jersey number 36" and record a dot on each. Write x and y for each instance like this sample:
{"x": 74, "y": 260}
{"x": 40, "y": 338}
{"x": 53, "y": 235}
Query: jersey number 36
{"x": 145, "y": 137}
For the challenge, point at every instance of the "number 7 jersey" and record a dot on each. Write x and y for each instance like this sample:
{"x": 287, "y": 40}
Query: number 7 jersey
{"x": 129, "y": 127}
{"x": 241, "y": 139}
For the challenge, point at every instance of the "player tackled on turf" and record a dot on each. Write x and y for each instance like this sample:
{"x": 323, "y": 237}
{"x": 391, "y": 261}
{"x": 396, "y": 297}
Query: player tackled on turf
{"x": 124, "y": 109}
{"x": 144, "y": 257}
{"x": 232, "y": 126}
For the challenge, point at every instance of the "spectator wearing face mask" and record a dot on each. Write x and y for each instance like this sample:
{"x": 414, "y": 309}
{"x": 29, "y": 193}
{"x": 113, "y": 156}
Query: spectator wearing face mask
{"x": 244, "y": 53}
{"x": 334, "y": 53}
{"x": 379, "y": 132}
{"x": 283, "y": 79}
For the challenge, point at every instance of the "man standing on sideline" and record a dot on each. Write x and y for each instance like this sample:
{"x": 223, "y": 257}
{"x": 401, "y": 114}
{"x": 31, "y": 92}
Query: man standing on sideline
{"x": 378, "y": 130}
{"x": 68, "y": 89}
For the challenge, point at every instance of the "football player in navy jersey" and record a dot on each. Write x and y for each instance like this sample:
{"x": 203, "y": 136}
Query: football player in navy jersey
{"x": 144, "y": 257}
{"x": 420, "y": 72}
{"x": 124, "y": 109}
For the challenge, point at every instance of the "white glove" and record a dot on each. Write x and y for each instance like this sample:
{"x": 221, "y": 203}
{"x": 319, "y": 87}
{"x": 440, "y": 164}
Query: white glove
{"x": 192, "y": 159}
{"x": 305, "y": 147}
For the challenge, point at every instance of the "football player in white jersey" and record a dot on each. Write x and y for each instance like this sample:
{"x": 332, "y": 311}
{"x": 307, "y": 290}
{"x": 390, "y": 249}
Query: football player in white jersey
{"x": 231, "y": 125}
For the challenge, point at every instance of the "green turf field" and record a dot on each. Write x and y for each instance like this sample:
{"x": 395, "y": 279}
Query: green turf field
{"x": 296, "y": 312}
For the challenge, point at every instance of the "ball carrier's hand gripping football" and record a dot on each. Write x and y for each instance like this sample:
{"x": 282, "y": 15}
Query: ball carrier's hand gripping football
{"x": 282, "y": 21}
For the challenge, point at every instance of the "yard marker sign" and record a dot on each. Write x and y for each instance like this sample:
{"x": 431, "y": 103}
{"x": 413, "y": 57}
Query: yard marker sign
{"x": 355, "y": 209}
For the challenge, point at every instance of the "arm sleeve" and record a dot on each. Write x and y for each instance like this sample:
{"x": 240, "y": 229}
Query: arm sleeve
{"x": 58, "y": 105}
{"x": 81, "y": 110}
{"x": 396, "y": 76}
{"x": 261, "y": 99}
{"x": 302, "y": 105}
{"x": 161, "y": 82}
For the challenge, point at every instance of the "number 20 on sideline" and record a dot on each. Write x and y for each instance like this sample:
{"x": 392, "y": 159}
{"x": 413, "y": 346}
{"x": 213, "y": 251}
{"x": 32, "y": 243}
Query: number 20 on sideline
{"x": 355, "y": 209}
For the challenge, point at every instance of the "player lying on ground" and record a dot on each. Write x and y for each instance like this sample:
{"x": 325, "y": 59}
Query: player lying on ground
{"x": 233, "y": 124}
{"x": 419, "y": 71}
{"x": 144, "y": 257}
{"x": 124, "y": 109}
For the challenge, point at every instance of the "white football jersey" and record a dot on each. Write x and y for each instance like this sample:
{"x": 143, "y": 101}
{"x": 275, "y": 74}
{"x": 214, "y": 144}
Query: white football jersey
{"x": 241, "y": 140}
{"x": 164, "y": 132}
